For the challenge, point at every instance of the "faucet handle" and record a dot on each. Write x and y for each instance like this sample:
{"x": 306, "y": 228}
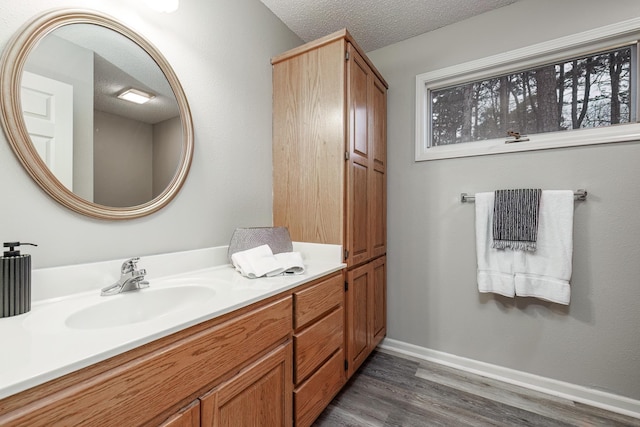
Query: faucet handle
{"x": 129, "y": 265}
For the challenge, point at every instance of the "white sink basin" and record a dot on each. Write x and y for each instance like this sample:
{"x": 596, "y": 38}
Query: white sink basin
{"x": 137, "y": 306}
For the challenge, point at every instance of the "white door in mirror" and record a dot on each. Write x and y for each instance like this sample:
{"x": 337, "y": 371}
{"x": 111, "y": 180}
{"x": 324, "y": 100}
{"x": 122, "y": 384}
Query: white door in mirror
{"x": 47, "y": 105}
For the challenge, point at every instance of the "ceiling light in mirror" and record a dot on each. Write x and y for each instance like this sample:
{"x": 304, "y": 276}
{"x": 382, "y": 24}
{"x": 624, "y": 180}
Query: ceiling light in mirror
{"x": 136, "y": 96}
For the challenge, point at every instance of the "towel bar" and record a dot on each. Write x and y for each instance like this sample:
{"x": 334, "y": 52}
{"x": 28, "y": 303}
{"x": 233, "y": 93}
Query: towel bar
{"x": 580, "y": 195}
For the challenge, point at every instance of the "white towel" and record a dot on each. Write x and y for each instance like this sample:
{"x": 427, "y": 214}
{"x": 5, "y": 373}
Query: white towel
{"x": 260, "y": 261}
{"x": 495, "y": 266}
{"x": 545, "y": 273}
{"x": 291, "y": 262}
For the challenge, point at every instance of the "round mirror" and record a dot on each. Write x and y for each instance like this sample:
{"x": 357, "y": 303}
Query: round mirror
{"x": 95, "y": 114}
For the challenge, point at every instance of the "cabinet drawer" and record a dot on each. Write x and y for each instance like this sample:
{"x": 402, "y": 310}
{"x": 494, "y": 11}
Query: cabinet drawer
{"x": 313, "y": 302}
{"x": 163, "y": 378}
{"x": 314, "y": 395}
{"x": 317, "y": 342}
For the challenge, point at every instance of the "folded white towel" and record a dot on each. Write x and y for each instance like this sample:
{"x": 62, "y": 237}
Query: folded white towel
{"x": 291, "y": 262}
{"x": 260, "y": 261}
{"x": 545, "y": 273}
{"x": 495, "y": 266}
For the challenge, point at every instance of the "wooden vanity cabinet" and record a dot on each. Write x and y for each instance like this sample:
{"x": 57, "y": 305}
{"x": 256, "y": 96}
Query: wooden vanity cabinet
{"x": 318, "y": 340}
{"x": 329, "y": 171}
{"x": 240, "y": 360}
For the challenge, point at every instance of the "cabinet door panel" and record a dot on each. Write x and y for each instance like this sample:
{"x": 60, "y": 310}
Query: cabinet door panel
{"x": 259, "y": 395}
{"x": 188, "y": 417}
{"x": 358, "y": 100}
{"x": 358, "y": 307}
{"x": 366, "y": 311}
{"x": 378, "y": 213}
{"x": 359, "y": 214}
{"x": 379, "y": 300}
{"x": 378, "y": 121}
{"x": 378, "y": 141}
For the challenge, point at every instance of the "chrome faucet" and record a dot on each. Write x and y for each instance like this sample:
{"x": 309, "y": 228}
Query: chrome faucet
{"x": 131, "y": 278}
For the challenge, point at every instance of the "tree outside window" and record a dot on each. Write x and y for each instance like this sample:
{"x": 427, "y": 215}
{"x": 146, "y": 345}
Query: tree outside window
{"x": 587, "y": 92}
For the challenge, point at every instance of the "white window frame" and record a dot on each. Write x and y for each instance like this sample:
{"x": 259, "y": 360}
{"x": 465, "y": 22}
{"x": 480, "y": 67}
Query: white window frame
{"x": 610, "y": 36}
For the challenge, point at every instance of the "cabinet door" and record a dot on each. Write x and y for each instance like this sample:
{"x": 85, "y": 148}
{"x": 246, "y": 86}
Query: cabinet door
{"x": 366, "y": 318}
{"x": 378, "y": 182}
{"x": 187, "y": 417}
{"x": 358, "y": 306}
{"x": 379, "y": 297}
{"x": 259, "y": 395}
{"x": 366, "y": 186}
{"x": 358, "y": 192}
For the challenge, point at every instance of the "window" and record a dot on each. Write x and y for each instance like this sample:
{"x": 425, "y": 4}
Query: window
{"x": 585, "y": 92}
{"x": 574, "y": 91}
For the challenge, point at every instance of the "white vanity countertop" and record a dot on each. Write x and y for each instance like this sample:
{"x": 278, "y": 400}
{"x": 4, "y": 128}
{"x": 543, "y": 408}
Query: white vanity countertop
{"x": 38, "y": 346}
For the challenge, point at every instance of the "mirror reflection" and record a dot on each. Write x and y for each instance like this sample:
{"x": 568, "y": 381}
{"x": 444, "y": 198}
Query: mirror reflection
{"x": 104, "y": 149}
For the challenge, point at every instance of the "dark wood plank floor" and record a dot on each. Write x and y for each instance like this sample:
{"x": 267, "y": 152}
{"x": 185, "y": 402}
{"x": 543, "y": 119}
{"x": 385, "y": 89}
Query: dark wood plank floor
{"x": 396, "y": 391}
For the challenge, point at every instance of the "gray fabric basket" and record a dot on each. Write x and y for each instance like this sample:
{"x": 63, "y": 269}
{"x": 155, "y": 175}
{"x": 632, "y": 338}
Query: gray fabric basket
{"x": 277, "y": 238}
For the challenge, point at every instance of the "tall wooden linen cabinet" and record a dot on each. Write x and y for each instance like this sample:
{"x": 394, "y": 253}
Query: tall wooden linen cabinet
{"x": 329, "y": 172}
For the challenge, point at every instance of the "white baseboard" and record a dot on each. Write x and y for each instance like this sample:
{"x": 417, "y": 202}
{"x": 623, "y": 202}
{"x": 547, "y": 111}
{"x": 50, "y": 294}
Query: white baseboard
{"x": 589, "y": 396}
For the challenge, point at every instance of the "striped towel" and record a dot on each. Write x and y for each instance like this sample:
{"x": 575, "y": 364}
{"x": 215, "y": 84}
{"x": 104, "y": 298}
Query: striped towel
{"x": 515, "y": 219}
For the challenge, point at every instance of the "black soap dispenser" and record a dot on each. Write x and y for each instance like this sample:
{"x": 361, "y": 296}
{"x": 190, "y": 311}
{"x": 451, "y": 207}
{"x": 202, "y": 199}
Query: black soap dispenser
{"x": 15, "y": 281}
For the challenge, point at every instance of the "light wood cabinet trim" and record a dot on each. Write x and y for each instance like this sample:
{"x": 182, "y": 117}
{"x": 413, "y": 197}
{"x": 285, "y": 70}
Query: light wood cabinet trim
{"x": 315, "y": 344}
{"x": 187, "y": 417}
{"x": 312, "y": 302}
{"x": 164, "y": 378}
{"x": 314, "y": 395}
{"x": 249, "y": 393}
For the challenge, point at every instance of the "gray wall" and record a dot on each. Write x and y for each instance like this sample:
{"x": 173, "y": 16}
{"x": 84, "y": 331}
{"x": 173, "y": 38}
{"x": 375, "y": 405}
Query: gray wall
{"x": 166, "y": 153}
{"x": 433, "y": 300}
{"x": 123, "y": 160}
{"x": 221, "y": 52}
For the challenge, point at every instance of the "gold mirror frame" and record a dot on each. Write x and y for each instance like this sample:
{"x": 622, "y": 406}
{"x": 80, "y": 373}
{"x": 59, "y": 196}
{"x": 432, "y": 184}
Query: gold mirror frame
{"x": 13, "y": 61}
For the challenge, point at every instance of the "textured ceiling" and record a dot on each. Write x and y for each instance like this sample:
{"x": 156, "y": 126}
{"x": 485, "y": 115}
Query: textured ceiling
{"x": 375, "y": 23}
